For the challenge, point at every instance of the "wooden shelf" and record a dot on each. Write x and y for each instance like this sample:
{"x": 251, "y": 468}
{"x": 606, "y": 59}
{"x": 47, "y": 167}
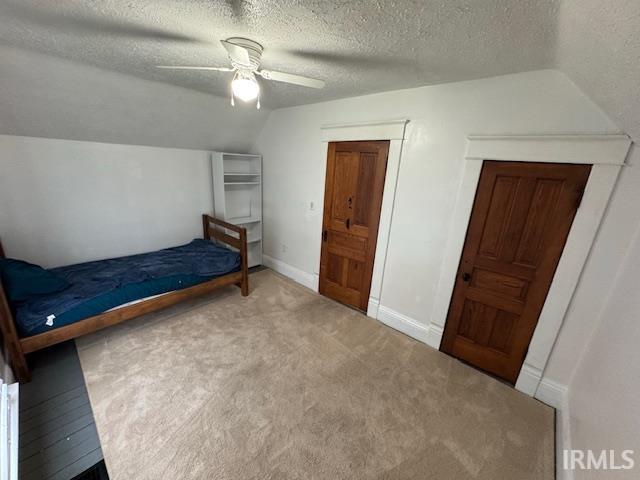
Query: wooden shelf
{"x": 243, "y": 220}
{"x": 248, "y": 155}
{"x": 241, "y": 174}
{"x": 242, "y": 183}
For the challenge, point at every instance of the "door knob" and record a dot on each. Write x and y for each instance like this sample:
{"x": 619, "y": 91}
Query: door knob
{"x": 466, "y": 277}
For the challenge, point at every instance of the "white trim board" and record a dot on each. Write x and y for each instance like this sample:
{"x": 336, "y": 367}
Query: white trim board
{"x": 552, "y": 393}
{"x": 556, "y": 395}
{"x": 9, "y": 434}
{"x": 377, "y": 130}
{"x": 589, "y": 149}
{"x": 401, "y": 322}
{"x": 429, "y": 335}
{"x": 394, "y": 131}
{"x": 309, "y": 280}
{"x": 607, "y": 154}
{"x": 547, "y": 391}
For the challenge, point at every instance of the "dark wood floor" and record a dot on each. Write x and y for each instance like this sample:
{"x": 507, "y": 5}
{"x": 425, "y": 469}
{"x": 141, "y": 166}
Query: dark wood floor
{"x": 58, "y": 437}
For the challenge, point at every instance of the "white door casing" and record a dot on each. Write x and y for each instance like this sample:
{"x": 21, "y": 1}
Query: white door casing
{"x": 392, "y": 130}
{"x": 607, "y": 154}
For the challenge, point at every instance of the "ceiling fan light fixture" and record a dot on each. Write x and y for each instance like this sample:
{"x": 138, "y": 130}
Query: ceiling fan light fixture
{"x": 245, "y": 56}
{"x": 245, "y": 86}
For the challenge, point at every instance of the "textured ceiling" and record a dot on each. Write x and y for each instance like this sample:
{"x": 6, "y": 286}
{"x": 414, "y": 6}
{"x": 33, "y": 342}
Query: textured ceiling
{"x": 599, "y": 49}
{"x": 46, "y": 96}
{"x": 356, "y": 46}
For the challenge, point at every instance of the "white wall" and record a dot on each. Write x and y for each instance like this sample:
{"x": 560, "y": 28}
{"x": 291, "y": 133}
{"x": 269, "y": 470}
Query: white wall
{"x": 441, "y": 117}
{"x": 604, "y": 398}
{"x": 606, "y": 258}
{"x": 596, "y": 351}
{"x": 598, "y": 46}
{"x": 596, "y": 290}
{"x": 594, "y": 358}
{"x": 64, "y": 202}
{"x": 44, "y": 96}
{"x": 545, "y": 102}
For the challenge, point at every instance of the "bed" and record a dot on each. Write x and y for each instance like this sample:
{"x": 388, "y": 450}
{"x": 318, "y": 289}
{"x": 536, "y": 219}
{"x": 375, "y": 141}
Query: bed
{"x": 98, "y": 294}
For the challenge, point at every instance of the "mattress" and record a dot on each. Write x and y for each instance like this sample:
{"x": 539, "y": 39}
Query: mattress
{"x": 105, "y": 284}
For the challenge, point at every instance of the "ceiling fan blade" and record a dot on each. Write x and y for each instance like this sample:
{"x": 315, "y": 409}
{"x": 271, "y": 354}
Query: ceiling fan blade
{"x": 93, "y": 25}
{"x": 186, "y": 67}
{"x": 290, "y": 78}
{"x": 237, "y": 53}
{"x": 351, "y": 60}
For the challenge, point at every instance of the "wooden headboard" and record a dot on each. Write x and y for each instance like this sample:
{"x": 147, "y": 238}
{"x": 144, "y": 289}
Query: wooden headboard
{"x": 215, "y": 228}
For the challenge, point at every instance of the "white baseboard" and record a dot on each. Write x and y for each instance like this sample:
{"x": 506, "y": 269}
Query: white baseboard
{"x": 431, "y": 335}
{"x": 552, "y": 393}
{"x": 563, "y": 440}
{"x": 389, "y": 317}
{"x": 555, "y": 395}
{"x": 9, "y": 408}
{"x": 404, "y": 324}
{"x": 372, "y": 307}
{"x": 307, "y": 279}
{"x": 434, "y": 336}
{"x": 528, "y": 379}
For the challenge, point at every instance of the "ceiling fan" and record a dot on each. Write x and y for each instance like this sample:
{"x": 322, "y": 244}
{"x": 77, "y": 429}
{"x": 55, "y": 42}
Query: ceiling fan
{"x": 245, "y": 56}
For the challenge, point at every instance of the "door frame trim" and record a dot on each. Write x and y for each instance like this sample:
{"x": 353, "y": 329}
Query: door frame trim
{"x": 394, "y": 131}
{"x": 607, "y": 154}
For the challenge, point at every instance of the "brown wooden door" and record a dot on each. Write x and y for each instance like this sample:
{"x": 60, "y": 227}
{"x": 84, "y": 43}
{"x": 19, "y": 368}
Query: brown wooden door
{"x": 352, "y": 202}
{"x": 519, "y": 224}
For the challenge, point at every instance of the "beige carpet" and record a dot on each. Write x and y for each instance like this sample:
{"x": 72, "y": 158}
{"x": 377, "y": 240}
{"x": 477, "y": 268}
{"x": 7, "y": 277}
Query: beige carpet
{"x": 286, "y": 384}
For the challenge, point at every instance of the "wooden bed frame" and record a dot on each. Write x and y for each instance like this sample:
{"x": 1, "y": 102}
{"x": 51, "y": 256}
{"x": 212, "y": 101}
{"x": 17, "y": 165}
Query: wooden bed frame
{"x": 17, "y": 347}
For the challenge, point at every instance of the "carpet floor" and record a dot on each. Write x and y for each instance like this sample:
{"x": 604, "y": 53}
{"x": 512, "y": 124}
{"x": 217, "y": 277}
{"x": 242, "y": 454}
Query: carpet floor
{"x": 286, "y": 384}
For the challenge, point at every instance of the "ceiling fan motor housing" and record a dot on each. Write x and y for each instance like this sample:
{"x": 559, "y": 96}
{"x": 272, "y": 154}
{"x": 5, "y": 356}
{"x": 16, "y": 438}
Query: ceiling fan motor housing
{"x": 253, "y": 48}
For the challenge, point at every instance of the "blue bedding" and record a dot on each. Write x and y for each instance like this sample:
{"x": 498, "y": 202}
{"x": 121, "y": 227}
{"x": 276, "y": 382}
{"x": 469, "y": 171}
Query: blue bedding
{"x": 96, "y": 287}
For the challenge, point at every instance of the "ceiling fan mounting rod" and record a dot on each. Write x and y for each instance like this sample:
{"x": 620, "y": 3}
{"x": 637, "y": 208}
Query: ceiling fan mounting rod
{"x": 254, "y": 49}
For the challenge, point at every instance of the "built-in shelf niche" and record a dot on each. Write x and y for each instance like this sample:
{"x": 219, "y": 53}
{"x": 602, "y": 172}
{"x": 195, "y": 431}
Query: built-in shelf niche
{"x": 237, "y": 196}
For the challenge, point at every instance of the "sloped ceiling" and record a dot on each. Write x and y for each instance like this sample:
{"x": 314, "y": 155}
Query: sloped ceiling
{"x": 599, "y": 49}
{"x": 356, "y": 46}
{"x": 45, "y": 96}
{"x": 77, "y": 69}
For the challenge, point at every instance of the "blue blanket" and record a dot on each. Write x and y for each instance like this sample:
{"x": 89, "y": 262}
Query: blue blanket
{"x": 101, "y": 285}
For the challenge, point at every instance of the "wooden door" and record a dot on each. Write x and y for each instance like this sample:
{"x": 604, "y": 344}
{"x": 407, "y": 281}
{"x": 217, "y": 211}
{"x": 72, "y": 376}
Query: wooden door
{"x": 519, "y": 224}
{"x": 352, "y": 202}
